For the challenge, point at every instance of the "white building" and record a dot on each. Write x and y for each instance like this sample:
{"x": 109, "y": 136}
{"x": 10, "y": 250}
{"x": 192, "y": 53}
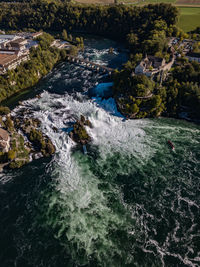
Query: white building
{"x": 151, "y": 65}
{"x": 8, "y": 37}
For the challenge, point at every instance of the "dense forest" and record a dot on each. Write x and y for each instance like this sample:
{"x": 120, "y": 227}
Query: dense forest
{"x": 144, "y": 30}
{"x": 138, "y": 96}
{"x": 183, "y": 89}
{"x": 142, "y": 27}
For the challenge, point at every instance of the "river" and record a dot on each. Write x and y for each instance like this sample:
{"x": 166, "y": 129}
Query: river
{"x": 131, "y": 201}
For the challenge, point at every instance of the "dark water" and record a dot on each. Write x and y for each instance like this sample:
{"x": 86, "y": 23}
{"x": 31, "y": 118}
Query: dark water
{"x": 131, "y": 201}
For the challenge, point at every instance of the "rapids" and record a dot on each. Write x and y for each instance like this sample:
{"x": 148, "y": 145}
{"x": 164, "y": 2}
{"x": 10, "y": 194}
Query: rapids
{"x": 131, "y": 201}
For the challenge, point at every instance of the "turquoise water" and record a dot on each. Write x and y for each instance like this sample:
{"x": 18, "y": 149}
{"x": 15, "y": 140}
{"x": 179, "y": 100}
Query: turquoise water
{"x": 131, "y": 201}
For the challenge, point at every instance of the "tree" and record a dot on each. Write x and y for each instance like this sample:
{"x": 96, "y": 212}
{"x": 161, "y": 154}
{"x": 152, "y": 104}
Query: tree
{"x": 63, "y": 54}
{"x": 11, "y": 155}
{"x": 73, "y": 50}
{"x": 134, "y": 109}
{"x": 4, "y": 110}
{"x": 141, "y": 86}
{"x": 64, "y": 35}
{"x": 132, "y": 40}
{"x": 9, "y": 123}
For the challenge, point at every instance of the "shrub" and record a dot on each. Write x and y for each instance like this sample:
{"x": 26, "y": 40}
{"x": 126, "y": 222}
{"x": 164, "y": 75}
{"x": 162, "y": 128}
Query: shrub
{"x": 16, "y": 164}
{"x": 4, "y": 110}
{"x": 11, "y": 155}
{"x": 8, "y": 123}
{"x": 3, "y": 157}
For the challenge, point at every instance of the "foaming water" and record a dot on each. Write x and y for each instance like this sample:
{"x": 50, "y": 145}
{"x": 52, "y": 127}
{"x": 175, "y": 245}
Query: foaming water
{"x": 131, "y": 201}
{"x": 128, "y": 183}
{"x": 85, "y": 215}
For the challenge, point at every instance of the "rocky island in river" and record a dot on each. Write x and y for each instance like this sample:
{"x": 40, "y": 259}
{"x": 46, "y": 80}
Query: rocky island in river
{"x": 79, "y": 133}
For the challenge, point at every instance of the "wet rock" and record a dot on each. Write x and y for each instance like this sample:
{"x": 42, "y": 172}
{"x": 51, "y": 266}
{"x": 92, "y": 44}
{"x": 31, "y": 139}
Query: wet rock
{"x": 55, "y": 129}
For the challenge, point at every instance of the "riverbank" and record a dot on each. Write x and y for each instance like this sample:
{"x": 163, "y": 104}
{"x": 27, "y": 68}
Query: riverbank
{"x": 42, "y": 60}
{"x": 25, "y": 140}
{"x": 19, "y": 101}
{"x": 123, "y": 157}
{"x": 22, "y": 139}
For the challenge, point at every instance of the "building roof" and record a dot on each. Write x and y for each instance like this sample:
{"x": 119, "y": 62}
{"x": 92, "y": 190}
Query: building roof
{"x": 3, "y": 135}
{"x": 8, "y": 51}
{"x": 6, "y": 58}
{"x": 31, "y": 43}
{"x": 7, "y": 36}
{"x": 36, "y": 34}
{"x": 157, "y": 59}
{"x": 18, "y": 41}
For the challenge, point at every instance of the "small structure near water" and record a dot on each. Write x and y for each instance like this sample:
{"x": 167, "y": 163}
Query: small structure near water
{"x": 84, "y": 149}
{"x": 90, "y": 65}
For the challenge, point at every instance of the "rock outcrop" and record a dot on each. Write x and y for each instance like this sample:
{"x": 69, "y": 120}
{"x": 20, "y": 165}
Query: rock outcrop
{"x": 26, "y": 141}
{"x": 79, "y": 133}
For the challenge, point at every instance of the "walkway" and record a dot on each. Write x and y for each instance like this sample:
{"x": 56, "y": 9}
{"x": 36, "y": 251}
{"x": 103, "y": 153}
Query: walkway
{"x": 91, "y": 65}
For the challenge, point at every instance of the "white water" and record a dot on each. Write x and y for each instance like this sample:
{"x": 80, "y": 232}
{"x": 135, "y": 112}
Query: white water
{"x": 85, "y": 216}
{"x": 110, "y": 132}
{"x": 77, "y": 186}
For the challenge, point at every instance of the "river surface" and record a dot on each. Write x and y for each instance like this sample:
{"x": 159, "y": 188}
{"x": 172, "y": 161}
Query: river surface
{"x": 131, "y": 201}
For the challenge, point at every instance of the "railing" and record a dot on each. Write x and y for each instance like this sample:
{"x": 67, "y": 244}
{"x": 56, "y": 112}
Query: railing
{"x": 90, "y": 64}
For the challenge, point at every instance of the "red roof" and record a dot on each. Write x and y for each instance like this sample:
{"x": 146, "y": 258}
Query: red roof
{"x": 7, "y": 58}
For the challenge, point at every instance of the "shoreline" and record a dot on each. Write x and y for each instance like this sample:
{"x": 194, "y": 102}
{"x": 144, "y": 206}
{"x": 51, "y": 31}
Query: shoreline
{"x": 26, "y": 140}
{"x": 36, "y": 149}
{"x": 28, "y": 89}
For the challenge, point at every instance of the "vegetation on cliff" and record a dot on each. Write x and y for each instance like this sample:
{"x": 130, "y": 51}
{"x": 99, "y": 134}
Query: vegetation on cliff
{"x": 143, "y": 28}
{"x": 21, "y": 151}
{"x": 79, "y": 133}
{"x": 18, "y": 153}
{"x": 42, "y": 60}
{"x": 137, "y": 96}
{"x": 183, "y": 89}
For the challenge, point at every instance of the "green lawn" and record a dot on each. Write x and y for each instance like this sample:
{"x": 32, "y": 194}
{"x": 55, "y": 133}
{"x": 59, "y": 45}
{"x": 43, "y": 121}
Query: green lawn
{"x": 189, "y": 18}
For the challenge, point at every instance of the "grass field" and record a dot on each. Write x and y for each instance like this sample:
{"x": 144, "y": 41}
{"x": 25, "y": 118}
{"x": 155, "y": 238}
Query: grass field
{"x": 189, "y": 18}
{"x": 188, "y": 2}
